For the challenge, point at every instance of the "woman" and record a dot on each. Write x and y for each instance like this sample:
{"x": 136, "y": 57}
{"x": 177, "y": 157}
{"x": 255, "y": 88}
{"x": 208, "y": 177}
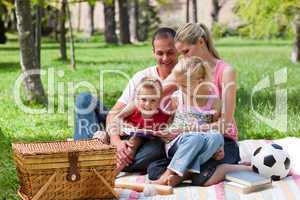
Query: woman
{"x": 194, "y": 39}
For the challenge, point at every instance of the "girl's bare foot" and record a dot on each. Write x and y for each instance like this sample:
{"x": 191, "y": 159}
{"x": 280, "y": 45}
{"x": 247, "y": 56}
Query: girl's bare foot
{"x": 174, "y": 180}
{"x": 163, "y": 180}
{"x": 159, "y": 182}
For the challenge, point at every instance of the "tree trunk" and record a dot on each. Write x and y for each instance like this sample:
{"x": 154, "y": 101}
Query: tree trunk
{"x": 38, "y": 32}
{"x": 133, "y": 20}
{"x": 90, "y": 29}
{"x": 62, "y": 31}
{"x": 12, "y": 21}
{"x": 2, "y": 32}
{"x": 137, "y": 18}
{"x": 14, "y": 25}
{"x": 79, "y": 17}
{"x": 110, "y": 22}
{"x": 144, "y": 21}
{"x": 72, "y": 47}
{"x": 33, "y": 83}
{"x": 296, "y": 48}
{"x": 195, "y": 15}
{"x": 215, "y": 11}
{"x": 124, "y": 22}
{"x": 187, "y": 11}
{"x": 56, "y": 24}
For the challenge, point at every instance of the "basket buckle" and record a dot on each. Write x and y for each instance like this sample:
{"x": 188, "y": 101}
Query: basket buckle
{"x": 73, "y": 174}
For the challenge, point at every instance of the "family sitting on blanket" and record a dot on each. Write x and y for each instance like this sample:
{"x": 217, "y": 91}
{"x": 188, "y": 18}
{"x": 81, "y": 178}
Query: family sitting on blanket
{"x": 199, "y": 152}
{"x": 193, "y": 148}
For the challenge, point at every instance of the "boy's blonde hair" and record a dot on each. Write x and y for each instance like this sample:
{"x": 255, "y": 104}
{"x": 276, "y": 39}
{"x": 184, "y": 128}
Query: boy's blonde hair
{"x": 191, "y": 68}
{"x": 150, "y": 83}
{"x": 192, "y": 32}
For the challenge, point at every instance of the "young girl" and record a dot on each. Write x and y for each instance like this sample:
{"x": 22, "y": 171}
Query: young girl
{"x": 143, "y": 117}
{"x": 195, "y": 106}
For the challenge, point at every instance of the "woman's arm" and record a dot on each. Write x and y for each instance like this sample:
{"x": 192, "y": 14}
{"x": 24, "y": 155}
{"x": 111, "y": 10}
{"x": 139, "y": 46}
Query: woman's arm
{"x": 228, "y": 97}
{"x": 226, "y": 106}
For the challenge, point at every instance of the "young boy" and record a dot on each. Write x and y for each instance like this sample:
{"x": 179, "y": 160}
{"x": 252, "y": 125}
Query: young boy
{"x": 140, "y": 119}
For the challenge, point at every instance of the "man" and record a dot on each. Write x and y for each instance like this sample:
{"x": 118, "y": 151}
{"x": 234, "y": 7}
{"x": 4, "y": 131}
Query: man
{"x": 165, "y": 55}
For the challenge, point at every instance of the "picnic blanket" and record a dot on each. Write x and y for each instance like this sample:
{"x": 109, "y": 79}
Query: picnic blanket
{"x": 286, "y": 189}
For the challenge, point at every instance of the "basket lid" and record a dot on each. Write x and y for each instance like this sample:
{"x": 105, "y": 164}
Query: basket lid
{"x": 59, "y": 147}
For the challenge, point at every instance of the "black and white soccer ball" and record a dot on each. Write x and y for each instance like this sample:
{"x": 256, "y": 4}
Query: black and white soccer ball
{"x": 271, "y": 161}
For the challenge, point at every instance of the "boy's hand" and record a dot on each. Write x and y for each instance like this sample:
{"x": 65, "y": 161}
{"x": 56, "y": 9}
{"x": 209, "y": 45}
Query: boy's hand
{"x": 124, "y": 155}
{"x": 131, "y": 150}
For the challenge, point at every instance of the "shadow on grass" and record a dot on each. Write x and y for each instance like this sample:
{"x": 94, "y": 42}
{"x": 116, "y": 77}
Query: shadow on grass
{"x": 98, "y": 63}
{"x": 8, "y": 48}
{"x": 80, "y": 45}
{"x": 9, "y": 66}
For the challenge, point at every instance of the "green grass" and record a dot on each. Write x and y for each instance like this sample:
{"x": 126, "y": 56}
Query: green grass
{"x": 253, "y": 61}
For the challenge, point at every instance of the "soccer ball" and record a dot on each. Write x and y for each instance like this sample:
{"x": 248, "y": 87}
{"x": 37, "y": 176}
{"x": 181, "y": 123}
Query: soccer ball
{"x": 271, "y": 161}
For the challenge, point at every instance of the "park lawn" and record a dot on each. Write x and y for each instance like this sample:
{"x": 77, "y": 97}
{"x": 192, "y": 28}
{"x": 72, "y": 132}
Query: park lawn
{"x": 253, "y": 60}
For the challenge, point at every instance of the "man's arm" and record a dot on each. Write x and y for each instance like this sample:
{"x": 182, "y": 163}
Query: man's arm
{"x": 124, "y": 157}
{"x": 116, "y": 109}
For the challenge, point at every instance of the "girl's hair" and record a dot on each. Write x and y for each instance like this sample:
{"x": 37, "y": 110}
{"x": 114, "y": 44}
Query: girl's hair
{"x": 150, "y": 83}
{"x": 192, "y": 32}
{"x": 192, "y": 68}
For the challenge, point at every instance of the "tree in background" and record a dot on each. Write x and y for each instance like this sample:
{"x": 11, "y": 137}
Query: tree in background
{"x": 124, "y": 22}
{"x": 7, "y": 11}
{"x": 148, "y": 19}
{"x": 38, "y": 7}
{"x": 91, "y": 26}
{"x": 2, "y": 31}
{"x": 33, "y": 84}
{"x": 267, "y": 19}
{"x": 134, "y": 19}
{"x": 215, "y": 10}
{"x": 110, "y": 22}
{"x": 142, "y": 19}
{"x": 296, "y": 49}
{"x": 72, "y": 46}
{"x": 62, "y": 30}
{"x": 6, "y": 7}
{"x": 195, "y": 14}
{"x": 187, "y": 19}
{"x": 78, "y": 16}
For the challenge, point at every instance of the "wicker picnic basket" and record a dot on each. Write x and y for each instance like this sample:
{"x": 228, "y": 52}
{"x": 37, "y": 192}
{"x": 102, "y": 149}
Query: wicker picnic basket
{"x": 65, "y": 170}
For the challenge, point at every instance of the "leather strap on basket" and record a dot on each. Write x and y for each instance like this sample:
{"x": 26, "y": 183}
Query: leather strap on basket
{"x": 73, "y": 174}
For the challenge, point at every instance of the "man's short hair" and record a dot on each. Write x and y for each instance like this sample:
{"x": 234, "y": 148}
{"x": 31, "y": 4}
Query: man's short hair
{"x": 163, "y": 33}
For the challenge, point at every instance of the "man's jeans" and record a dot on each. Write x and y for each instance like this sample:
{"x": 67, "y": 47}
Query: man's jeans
{"x": 90, "y": 116}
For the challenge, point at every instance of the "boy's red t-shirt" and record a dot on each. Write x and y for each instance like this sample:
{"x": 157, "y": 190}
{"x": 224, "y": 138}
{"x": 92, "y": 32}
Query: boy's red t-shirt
{"x": 158, "y": 121}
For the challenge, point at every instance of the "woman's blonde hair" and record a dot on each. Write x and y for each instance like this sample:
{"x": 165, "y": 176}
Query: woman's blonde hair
{"x": 191, "y": 69}
{"x": 192, "y": 32}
